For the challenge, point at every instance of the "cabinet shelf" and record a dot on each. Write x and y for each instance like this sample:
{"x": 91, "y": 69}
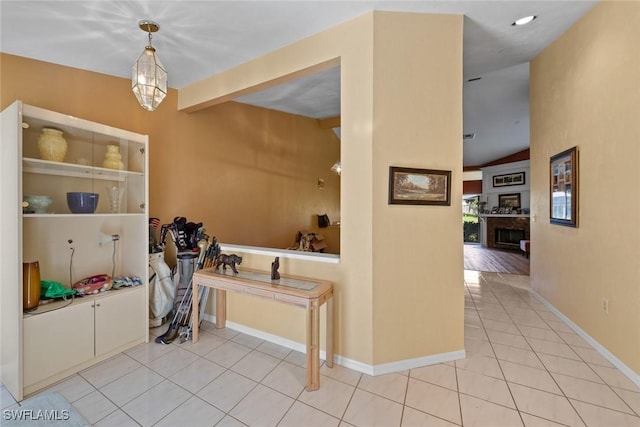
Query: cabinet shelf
{"x": 48, "y": 167}
{"x": 72, "y": 215}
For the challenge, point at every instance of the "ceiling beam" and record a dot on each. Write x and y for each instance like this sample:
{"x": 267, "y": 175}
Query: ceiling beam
{"x": 329, "y": 122}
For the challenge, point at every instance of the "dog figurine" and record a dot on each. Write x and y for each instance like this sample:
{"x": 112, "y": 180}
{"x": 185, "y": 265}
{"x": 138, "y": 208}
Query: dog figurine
{"x": 228, "y": 260}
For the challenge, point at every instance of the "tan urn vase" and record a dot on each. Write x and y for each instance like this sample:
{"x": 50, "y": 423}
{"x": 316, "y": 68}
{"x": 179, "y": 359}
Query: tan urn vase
{"x": 52, "y": 145}
{"x": 113, "y": 158}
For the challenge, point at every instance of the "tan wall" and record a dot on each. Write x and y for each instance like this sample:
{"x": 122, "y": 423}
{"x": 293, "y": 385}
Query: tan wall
{"x": 430, "y": 309}
{"x": 584, "y": 92}
{"x": 418, "y": 255}
{"x": 399, "y": 281}
{"x": 250, "y": 174}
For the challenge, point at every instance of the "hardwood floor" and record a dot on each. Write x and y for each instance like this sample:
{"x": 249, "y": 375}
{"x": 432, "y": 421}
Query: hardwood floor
{"x": 480, "y": 258}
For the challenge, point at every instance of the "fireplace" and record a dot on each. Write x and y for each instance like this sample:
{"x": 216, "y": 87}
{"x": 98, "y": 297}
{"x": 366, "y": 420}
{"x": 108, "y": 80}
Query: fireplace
{"x": 510, "y": 238}
{"x": 505, "y": 232}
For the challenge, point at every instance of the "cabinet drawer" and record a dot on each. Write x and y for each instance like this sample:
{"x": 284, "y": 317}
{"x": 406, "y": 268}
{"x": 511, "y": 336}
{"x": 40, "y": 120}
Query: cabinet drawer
{"x": 56, "y": 341}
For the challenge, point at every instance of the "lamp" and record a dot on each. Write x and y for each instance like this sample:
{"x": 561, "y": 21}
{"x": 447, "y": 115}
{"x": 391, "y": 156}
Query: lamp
{"x": 149, "y": 81}
{"x": 337, "y": 167}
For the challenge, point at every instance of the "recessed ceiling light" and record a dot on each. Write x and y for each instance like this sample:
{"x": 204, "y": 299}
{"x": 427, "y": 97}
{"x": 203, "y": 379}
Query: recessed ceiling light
{"x": 525, "y": 20}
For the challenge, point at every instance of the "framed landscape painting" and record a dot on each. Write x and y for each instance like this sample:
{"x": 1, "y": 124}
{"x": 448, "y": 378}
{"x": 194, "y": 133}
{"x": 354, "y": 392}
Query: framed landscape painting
{"x": 410, "y": 186}
{"x": 563, "y": 191}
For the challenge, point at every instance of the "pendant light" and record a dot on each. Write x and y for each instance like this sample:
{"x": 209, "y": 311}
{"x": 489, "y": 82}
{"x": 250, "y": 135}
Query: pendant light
{"x": 149, "y": 81}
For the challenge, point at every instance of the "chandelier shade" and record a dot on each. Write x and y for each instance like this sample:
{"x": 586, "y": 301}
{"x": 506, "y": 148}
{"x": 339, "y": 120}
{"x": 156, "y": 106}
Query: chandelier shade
{"x": 149, "y": 77}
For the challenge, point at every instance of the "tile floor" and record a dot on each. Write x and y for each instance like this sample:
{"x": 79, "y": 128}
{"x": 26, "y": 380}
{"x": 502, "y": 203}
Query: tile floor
{"x": 523, "y": 367}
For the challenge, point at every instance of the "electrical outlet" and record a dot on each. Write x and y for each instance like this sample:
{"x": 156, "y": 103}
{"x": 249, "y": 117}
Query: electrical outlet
{"x": 605, "y": 305}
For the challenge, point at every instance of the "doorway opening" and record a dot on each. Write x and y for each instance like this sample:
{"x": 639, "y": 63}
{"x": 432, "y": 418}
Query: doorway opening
{"x": 470, "y": 219}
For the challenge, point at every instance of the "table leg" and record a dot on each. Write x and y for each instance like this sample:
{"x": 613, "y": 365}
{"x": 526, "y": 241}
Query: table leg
{"x": 313, "y": 345}
{"x": 329, "y": 349}
{"x": 195, "y": 329}
{"x": 221, "y": 308}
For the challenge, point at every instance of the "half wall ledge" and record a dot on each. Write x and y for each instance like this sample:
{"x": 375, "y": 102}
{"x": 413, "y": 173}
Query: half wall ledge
{"x": 283, "y": 253}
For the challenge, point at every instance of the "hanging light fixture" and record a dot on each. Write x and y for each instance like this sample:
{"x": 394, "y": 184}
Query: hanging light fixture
{"x": 149, "y": 81}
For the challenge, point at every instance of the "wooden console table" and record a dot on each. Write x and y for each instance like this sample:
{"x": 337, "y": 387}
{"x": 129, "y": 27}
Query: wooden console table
{"x": 293, "y": 290}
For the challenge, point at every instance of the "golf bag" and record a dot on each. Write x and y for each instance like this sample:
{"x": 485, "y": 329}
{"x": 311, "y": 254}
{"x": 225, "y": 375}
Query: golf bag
{"x": 194, "y": 252}
{"x": 161, "y": 290}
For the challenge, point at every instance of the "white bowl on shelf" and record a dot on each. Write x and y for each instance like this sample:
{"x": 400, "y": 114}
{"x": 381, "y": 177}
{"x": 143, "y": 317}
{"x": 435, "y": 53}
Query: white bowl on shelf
{"x": 37, "y": 203}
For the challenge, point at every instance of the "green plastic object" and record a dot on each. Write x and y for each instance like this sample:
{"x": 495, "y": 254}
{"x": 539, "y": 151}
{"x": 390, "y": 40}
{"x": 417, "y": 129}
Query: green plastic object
{"x": 51, "y": 289}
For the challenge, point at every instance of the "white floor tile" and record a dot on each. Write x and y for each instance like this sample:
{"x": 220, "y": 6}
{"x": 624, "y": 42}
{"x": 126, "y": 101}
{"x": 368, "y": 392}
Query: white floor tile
{"x": 117, "y": 419}
{"x": 194, "y": 412}
{"x": 615, "y": 378}
{"x": 590, "y": 392}
{"x": 247, "y": 340}
{"x": 262, "y": 407}
{"x": 304, "y": 415}
{"x": 197, "y": 375}
{"x": 530, "y": 377}
{"x": 340, "y": 373}
{"x": 151, "y": 406}
{"x": 480, "y": 413}
{"x": 414, "y": 418}
{"x": 545, "y": 405}
{"x": 440, "y": 374}
{"x": 168, "y": 364}
{"x": 533, "y": 421}
{"x": 110, "y": 370}
{"x": 484, "y": 387}
{"x": 553, "y": 348}
{"x": 287, "y": 378}
{"x": 255, "y": 365}
{"x": 389, "y": 386}
{"x": 332, "y": 397}
{"x": 206, "y": 342}
{"x": 228, "y": 354}
{"x": 480, "y": 364}
{"x": 146, "y": 352}
{"x": 275, "y": 350}
{"x": 599, "y": 416}
{"x": 367, "y": 409}
{"x": 72, "y": 388}
{"x": 227, "y": 390}
{"x": 126, "y": 388}
{"x": 630, "y": 397}
{"x": 437, "y": 401}
{"x": 94, "y": 407}
{"x": 573, "y": 368}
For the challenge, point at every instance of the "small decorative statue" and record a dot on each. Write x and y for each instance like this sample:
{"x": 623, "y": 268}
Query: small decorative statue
{"x": 230, "y": 260}
{"x": 274, "y": 269}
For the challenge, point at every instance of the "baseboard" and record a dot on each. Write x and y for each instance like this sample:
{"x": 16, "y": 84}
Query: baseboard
{"x": 628, "y": 372}
{"x": 385, "y": 368}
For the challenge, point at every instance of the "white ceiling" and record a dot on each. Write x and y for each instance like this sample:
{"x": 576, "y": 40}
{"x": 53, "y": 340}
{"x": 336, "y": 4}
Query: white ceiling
{"x": 200, "y": 38}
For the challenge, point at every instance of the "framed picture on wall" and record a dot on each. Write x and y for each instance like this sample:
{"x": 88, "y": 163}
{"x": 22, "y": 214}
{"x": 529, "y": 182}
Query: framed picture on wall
{"x": 563, "y": 188}
{"x": 409, "y": 186}
{"x": 509, "y": 179}
{"x": 509, "y": 200}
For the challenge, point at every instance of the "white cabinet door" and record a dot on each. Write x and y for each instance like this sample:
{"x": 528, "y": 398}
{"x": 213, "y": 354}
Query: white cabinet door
{"x": 120, "y": 319}
{"x": 57, "y": 340}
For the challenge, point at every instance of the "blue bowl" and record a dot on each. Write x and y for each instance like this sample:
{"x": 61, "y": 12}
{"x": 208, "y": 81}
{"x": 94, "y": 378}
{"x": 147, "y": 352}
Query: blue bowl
{"x": 82, "y": 202}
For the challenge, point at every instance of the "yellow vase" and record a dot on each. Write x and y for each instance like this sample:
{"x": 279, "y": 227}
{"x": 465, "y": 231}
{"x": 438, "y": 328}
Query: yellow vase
{"x": 52, "y": 145}
{"x": 30, "y": 285}
{"x": 113, "y": 158}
